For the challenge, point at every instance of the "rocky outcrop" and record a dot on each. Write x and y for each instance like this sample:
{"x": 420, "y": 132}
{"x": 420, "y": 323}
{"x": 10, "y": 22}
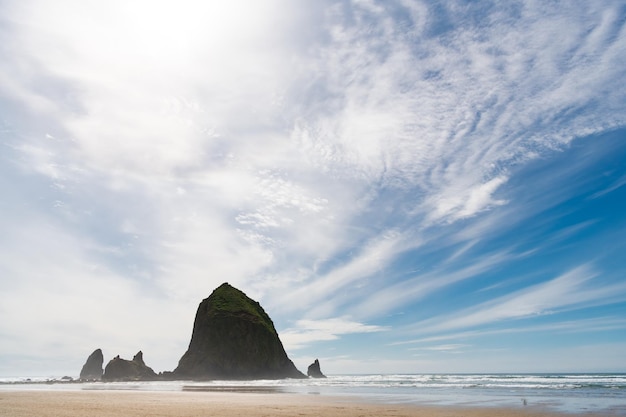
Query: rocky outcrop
{"x": 314, "y": 370}
{"x": 119, "y": 369}
{"x": 92, "y": 369}
{"x": 234, "y": 338}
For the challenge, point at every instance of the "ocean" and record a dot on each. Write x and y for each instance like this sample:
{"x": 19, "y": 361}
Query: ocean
{"x": 571, "y": 393}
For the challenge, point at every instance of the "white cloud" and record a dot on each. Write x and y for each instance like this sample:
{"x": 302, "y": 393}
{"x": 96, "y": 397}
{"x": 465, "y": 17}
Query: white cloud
{"x": 462, "y": 202}
{"x": 306, "y": 332}
{"x": 591, "y": 325}
{"x": 451, "y": 348}
{"x": 570, "y": 290}
{"x": 396, "y": 296}
{"x": 618, "y": 184}
{"x": 316, "y": 296}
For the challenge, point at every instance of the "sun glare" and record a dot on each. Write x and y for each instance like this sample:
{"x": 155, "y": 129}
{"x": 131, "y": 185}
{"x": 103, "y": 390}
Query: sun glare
{"x": 171, "y": 28}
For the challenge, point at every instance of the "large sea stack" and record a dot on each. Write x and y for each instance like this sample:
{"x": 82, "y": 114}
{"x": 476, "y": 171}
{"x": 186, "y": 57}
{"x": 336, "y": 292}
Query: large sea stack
{"x": 234, "y": 338}
{"x": 92, "y": 369}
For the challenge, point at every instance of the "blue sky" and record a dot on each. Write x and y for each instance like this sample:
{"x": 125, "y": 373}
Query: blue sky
{"x": 405, "y": 186}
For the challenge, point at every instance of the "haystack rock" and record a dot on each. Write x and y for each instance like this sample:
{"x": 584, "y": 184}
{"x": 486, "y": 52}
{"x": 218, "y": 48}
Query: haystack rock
{"x": 92, "y": 369}
{"x": 314, "y": 370}
{"x": 234, "y": 338}
{"x": 119, "y": 369}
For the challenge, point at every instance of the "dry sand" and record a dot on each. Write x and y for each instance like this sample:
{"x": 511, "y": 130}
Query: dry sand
{"x": 228, "y": 404}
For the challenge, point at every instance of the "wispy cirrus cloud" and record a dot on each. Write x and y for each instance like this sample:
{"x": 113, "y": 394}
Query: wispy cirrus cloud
{"x": 571, "y": 290}
{"x": 584, "y": 326}
{"x": 305, "y": 332}
{"x": 418, "y": 287}
{"x": 618, "y": 184}
{"x": 460, "y": 102}
{"x": 450, "y": 348}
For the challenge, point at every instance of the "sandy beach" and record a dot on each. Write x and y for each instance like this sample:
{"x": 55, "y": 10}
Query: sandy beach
{"x": 196, "y": 404}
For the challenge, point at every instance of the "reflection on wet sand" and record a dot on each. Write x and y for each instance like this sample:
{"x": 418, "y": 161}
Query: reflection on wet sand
{"x": 231, "y": 388}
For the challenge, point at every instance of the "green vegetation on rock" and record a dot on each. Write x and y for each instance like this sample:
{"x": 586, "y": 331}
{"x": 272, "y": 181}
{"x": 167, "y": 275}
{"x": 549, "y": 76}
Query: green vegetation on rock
{"x": 227, "y": 299}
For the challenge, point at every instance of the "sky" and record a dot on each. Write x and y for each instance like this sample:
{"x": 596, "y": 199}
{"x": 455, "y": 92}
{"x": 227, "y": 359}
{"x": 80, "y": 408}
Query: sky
{"x": 405, "y": 186}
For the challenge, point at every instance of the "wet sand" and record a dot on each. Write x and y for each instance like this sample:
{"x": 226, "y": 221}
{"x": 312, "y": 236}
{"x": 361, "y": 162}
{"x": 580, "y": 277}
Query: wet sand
{"x": 224, "y": 404}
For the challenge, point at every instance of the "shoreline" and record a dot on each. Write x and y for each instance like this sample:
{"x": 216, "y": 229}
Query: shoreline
{"x": 109, "y": 403}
